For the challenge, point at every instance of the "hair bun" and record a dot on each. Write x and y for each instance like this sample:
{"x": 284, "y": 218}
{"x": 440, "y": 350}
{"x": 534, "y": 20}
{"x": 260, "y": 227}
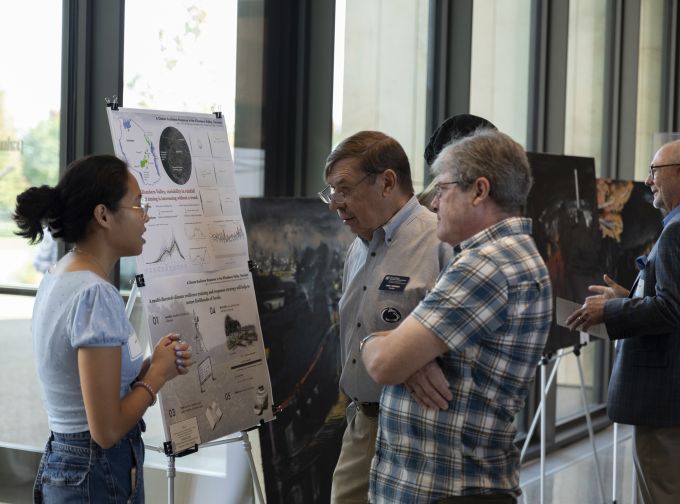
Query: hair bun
{"x": 56, "y": 204}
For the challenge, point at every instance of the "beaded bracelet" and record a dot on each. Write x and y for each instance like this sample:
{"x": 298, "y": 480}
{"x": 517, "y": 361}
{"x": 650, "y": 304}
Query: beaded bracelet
{"x": 148, "y": 388}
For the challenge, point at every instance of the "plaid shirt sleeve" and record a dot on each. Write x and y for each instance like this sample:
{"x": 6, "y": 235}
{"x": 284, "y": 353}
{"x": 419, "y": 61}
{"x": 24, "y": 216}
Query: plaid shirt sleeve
{"x": 477, "y": 305}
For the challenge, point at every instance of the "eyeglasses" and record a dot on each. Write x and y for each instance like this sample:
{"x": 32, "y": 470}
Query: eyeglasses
{"x": 143, "y": 206}
{"x": 330, "y": 193}
{"x": 439, "y": 186}
{"x": 653, "y": 168}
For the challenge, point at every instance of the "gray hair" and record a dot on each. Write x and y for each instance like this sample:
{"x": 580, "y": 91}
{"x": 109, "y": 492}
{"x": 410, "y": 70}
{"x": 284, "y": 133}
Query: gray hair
{"x": 494, "y": 155}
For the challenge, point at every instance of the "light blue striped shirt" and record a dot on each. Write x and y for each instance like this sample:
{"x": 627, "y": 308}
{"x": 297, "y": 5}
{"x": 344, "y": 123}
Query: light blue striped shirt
{"x": 407, "y": 247}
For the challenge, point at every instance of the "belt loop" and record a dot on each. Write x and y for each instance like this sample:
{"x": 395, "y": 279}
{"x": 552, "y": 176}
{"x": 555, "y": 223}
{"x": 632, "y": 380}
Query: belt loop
{"x": 368, "y": 409}
{"x": 94, "y": 451}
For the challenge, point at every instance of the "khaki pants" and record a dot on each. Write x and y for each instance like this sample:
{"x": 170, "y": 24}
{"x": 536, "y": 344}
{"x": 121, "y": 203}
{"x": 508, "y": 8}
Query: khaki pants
{"x": 350, "y": 479}
{"x": 656, "y": 454}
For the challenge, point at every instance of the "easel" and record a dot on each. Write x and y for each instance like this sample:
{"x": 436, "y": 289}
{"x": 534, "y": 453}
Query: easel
{"x": 545, "y": 388}
{"x": 634, "y": 490}
{"x": 167, "y": 447}
{"x": 170, "y": 471}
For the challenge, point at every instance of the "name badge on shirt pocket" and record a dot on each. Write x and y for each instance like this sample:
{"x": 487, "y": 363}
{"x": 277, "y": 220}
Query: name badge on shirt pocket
{"x": 394, "y": 283}
{"x": 134, "y": 347}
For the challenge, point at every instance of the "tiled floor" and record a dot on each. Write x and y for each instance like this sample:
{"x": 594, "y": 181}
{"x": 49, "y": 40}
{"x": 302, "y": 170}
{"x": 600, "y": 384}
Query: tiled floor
{"x": 571, "y": 476}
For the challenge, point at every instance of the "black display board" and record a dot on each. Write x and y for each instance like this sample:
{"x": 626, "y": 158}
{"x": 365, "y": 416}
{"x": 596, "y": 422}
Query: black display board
{"x": 563, "y": 206}
{"x": 298, "y": 247}
{"x": 629, "y": 225}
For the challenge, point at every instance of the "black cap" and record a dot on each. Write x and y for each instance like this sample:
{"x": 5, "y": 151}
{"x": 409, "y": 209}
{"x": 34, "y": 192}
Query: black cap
{"x": 453, "y": 128}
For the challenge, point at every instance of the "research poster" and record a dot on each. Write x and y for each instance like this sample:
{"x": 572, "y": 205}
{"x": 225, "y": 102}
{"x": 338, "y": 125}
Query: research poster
{"x": 194, "y": 271}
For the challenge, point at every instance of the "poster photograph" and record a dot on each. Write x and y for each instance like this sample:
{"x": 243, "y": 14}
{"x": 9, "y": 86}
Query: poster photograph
{"x": 563, "y": 206}
{"x": 298, "y": 246}
{"x": 629, "y": 226}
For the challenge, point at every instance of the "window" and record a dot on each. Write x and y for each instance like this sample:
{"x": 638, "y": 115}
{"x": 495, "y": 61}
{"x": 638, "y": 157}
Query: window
{"x": 585, "y": 80}
{"x": 29, "y": 126}
{"x": 649, "y": 99}
{"x": 380, "y": 76}
{"x": 569, "y": 402}
{"x": 181, "y": 56}
{"x": 499, "y": 77}
{"x": 24, "y": 421}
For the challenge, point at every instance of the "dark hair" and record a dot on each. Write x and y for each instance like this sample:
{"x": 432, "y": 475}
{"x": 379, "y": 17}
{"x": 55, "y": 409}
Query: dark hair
{"x": 494, "y": 155}
{"x": 376, "y": 152}
{"x": 67, "y": 208}
{"x": 453, "y": 128}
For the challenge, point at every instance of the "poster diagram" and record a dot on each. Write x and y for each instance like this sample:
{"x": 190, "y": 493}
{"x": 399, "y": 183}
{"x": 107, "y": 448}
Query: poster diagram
{"x": 140, "y": 151}
{"x": 162, "y": 252}
{"x": 205, "y": 173}
{"x": 227, "y": 237}
{"x": 175, "y": 155}
{"x": 195, "y": 270}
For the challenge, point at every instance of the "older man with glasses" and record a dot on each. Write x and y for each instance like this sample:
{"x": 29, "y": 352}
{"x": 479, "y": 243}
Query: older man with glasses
{"x": 389, "y": 268}
{"x": 486, "y": 322}
{"x": 644, "y": 389}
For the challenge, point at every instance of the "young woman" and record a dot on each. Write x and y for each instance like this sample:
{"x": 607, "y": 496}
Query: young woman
{"x": 96, "y": 384}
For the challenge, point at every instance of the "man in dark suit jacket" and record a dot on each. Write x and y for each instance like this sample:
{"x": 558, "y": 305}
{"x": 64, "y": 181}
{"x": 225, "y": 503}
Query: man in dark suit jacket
{"x": 644, "y": 390}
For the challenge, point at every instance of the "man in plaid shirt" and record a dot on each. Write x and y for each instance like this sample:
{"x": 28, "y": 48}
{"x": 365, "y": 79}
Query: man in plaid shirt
{"x": 485, "y": 321}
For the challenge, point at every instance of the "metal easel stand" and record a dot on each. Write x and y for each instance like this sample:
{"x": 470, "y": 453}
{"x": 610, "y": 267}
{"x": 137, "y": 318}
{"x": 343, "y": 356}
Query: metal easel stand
{"x": 634, "y": 489}
{"x": 171, "y": 472}
{"x": 545, "y": 388}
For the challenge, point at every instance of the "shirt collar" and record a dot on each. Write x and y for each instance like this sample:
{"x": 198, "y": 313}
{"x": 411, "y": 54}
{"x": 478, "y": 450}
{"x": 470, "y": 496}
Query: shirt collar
{"x": 503, "y": 228}
{"x": 403, "y": 215}
{"x": 671, "y": 215}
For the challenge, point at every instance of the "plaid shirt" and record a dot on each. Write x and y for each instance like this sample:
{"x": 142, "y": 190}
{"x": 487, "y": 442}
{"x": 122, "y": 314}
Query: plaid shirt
{"x": 493, "y": 308}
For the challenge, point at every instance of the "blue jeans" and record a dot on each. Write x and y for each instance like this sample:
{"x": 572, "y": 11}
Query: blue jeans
{"x": 75, "y": 469}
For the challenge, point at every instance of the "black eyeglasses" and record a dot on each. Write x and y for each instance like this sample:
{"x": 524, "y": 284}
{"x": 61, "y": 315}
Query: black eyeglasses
{"x": 330, "y": 193}
{"x": 441, "y": 185}
{"x": 653, "y": 168}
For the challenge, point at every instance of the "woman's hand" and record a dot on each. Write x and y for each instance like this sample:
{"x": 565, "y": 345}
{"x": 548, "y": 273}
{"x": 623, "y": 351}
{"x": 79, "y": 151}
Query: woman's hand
{"x": 171, "y": 357}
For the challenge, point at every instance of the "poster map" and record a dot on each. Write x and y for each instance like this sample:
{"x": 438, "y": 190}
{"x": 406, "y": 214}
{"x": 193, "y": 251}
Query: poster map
{"x": 195, "y": 268}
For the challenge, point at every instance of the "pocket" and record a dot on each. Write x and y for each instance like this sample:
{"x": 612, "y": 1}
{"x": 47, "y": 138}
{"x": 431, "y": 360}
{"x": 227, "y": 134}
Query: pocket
{"x": 137, "y": 486}
{"x": 66, "y": 466}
